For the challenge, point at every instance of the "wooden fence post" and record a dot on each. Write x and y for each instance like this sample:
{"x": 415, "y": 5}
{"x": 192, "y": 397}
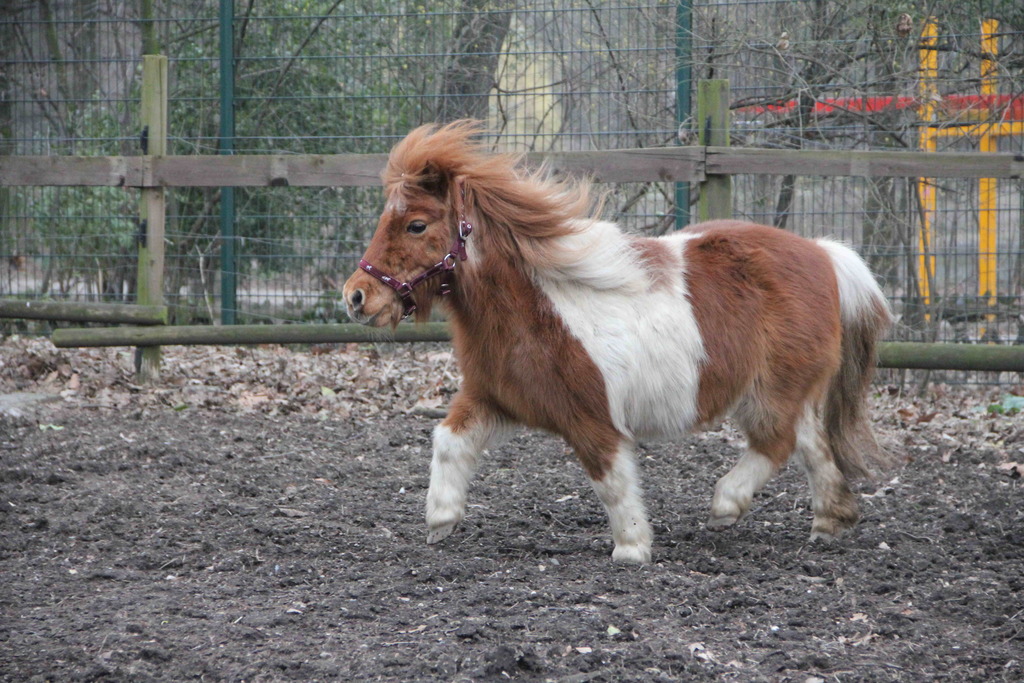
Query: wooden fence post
{"x": 152, "y": 206}
{"x": 715, "y": 199}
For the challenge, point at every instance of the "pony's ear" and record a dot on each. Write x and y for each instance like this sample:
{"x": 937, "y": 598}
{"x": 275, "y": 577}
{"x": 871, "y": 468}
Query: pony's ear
{"x": 434, "y": 181}
{"x": 459, "y": 193}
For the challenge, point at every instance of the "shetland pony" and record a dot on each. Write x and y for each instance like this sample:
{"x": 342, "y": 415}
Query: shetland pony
{"x": 561, "y": 321}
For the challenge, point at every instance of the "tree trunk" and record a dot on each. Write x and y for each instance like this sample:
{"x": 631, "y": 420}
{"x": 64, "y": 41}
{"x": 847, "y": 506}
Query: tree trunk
{"x": 885, "y": 207}
{"x": 785, "y": 204}
{"x": 881, "y": 215}
{"x": 473, "y": 63}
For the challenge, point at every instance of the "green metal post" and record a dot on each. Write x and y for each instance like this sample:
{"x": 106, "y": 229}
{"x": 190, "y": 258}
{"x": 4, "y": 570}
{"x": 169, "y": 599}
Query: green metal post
{"x": 684, "y": 76}
{"x": 228, "y": 283}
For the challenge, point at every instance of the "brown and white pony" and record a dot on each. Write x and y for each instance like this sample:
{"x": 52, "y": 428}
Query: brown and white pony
{"x": 561, "y": 321}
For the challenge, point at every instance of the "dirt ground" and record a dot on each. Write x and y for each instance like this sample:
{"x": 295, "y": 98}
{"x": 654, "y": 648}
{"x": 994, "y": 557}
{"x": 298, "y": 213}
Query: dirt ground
{"x": 257, "y": 515}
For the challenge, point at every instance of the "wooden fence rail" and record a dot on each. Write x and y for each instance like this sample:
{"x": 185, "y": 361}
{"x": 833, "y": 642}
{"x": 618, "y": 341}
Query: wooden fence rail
{"x": 85, "y": 312}
{"x": 890, "y": 355}
{"x": 673, "y": 164}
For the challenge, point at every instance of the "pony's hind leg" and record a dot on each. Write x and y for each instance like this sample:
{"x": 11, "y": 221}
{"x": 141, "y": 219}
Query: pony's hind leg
{"x": 771, "y": 440}
{"x": 458, "y": 441}
{"x": 617, "y": 484}
{"x": 735, "y": 491}
{"x": 834, "y": 505}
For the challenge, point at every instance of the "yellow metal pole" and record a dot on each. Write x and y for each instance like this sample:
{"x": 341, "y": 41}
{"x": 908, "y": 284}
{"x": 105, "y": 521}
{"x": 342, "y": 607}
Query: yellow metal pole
{"x": 929, "y": 68}
{"x": 987, "y": 258}
{"x": 976, "y": 130}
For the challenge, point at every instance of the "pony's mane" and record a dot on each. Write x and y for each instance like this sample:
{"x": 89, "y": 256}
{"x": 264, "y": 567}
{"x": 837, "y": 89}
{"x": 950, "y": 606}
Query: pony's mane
{"x": 520, "y": 213}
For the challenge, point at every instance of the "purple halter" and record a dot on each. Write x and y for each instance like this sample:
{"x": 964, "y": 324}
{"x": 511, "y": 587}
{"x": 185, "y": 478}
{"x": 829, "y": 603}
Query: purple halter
{"x": 446, "y": 265}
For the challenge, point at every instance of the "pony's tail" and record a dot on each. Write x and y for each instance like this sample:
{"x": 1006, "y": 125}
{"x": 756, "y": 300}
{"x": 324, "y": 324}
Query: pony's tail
{"x": 865, "y": 317}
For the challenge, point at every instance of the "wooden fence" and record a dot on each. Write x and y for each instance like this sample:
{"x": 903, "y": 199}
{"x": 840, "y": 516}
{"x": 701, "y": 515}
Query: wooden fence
{"x": 710, "y": 165}
{"x": 673, "y": 164}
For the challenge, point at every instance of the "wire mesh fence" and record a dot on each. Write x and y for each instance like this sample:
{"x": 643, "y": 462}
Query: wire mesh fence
{"x": 546, "y": 76}
{"x": 933, "y": 77}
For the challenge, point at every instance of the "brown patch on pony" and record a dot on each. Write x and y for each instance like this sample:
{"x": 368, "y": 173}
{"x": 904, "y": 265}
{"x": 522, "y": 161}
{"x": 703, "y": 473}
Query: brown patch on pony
{"x": 464, "y": 411}
{"x": 657, "y": 259}
{"x": 767, "y": 306}
{"x": 543, "y": 378}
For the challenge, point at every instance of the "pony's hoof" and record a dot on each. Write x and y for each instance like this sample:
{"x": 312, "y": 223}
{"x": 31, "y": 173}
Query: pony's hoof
{"x": 721, "y": 523}
{"x": 632, "y": 554}
{"x": 438, "y": 534}
{"x": 823, "y": 537}
{"x": 828, "y": 529}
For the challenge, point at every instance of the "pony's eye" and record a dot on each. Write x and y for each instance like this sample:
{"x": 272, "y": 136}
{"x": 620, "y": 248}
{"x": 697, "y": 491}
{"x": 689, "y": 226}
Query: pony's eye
{"x": 416, "y": 227}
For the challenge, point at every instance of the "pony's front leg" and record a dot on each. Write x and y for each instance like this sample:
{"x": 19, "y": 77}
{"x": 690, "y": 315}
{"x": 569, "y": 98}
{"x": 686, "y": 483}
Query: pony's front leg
{"x": 458, "y": 441}
{"x": 617, "y": 483}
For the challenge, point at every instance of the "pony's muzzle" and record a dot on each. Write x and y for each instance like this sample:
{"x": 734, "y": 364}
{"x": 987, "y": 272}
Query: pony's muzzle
{"x": 355, "y": 301}
{"x": 356, "y": 297}
{"x": 366, "y": 302}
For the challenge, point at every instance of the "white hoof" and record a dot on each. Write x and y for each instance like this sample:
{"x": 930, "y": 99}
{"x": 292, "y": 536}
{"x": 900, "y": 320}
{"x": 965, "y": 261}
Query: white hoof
{"x": 442, "y": 517}
{"x": 632, "y": 554}
{"x": 722, "y": 523}
{"x": 726, "y": 512}
{"x": 439, "y": 533}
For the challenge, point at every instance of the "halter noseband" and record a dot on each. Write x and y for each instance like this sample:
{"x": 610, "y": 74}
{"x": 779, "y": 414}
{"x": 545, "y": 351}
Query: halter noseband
{"x": 446, "y": 265}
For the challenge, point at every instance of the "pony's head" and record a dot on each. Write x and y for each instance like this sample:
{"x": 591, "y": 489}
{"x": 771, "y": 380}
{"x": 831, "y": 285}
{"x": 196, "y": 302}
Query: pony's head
{"x": 426, "y": 187}
{"x": 436, "y": 177}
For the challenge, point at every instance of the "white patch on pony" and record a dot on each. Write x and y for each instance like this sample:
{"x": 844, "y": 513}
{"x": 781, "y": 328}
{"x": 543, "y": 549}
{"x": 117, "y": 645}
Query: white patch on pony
{"x": 735, "y": 491}
{"x": 619, "y": 490}
{"x": 644, "y": 340}
{"x": 597, "y": 256}
{"x": 859, "y": 293}
{"x": 451, "y": 469}
{"x": 396, "y": 204}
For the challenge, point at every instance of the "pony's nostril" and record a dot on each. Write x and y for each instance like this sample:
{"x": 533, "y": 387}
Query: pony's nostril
{"x": 356, "y": 299}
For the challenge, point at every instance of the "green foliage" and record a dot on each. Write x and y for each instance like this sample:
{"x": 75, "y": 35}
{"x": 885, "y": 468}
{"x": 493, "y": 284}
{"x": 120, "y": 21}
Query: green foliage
{"x": 1010, "y": 405}
{"x": 303, "y": 84}
{"x": 84, "y": 236}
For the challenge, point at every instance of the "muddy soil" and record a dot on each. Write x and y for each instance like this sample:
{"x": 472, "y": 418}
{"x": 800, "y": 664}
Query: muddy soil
{"x": 172, "y": 543}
